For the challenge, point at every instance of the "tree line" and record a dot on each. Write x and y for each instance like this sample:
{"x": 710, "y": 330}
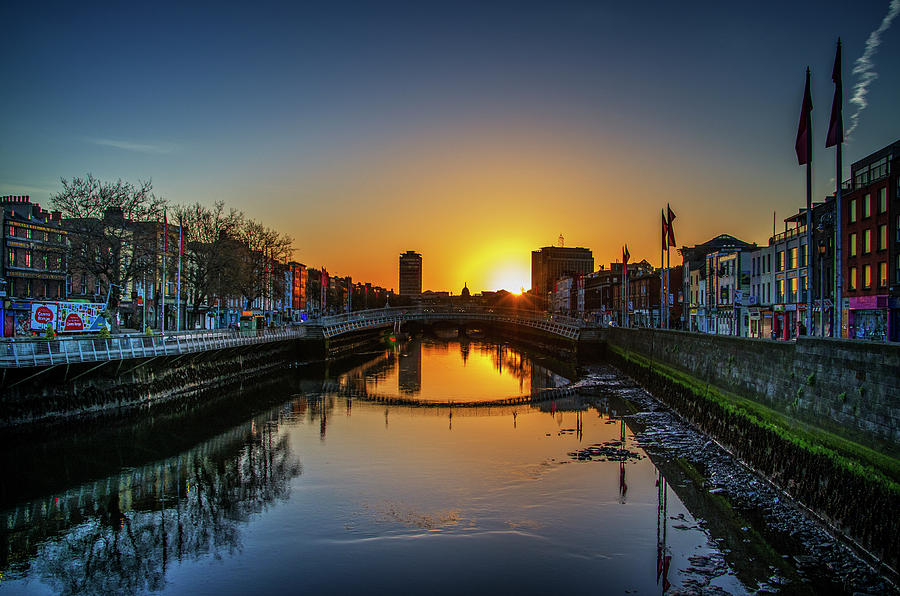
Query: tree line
{"x": 114, "y": 235}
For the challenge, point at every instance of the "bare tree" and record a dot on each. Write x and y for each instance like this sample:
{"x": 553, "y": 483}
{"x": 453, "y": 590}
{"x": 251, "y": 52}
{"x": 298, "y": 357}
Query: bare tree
{"x": 208, "y": 250}
{"x": 103, "y": 220}
{"x": 258, "y": 273}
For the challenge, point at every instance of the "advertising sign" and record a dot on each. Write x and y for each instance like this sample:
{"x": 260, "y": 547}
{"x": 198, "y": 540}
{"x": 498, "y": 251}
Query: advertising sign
{"x": 43, "y": 314}
{"x": 81, "y": 316}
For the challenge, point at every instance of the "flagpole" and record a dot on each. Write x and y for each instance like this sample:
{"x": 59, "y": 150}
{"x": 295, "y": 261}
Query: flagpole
{"x": 836, "y": 137}
{"x": 662, "y": 265}
{"x": 163, "y": 287}
{"x": 178, "y": 290}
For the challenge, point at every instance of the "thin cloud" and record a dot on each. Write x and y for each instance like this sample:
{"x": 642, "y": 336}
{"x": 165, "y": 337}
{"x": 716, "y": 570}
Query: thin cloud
{"x": 864, "y": 68}
{"x": 158, "y": 148}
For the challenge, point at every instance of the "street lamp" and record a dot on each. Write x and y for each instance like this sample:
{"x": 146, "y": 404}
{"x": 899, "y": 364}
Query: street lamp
{"x": 821, "y": 287}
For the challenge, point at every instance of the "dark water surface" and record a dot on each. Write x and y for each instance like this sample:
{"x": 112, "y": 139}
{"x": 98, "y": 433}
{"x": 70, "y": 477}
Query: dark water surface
{"x": 303, "y": 485}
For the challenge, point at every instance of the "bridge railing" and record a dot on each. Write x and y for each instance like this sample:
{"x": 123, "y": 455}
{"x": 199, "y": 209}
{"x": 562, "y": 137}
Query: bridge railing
{"x": 417, "y": 312}
{"x": 16, "y": 353}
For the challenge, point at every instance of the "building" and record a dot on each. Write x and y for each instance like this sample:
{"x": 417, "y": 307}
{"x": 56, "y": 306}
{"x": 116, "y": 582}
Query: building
{"x": 551, "y": 263}
{"x": 34, "y": 261}
{"x": 410, "y": 274}
{"x": 762, "y": 280}
{"x": 696, "y": 312}
{"x": 870, "y": 217}
{"x": 598, "y": 293}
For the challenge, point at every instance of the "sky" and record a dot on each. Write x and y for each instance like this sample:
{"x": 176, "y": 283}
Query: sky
{"x": 471, "y": 132}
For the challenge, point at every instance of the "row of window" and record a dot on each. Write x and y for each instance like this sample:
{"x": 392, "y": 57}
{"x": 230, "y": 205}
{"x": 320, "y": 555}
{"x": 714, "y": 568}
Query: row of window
{"x": 32, "y": 234}
{"x": 35, "y": 288}
{"x": 853, "y": 277}
{"x": 26, "y": 258}
{"x": 852, "y": 241}
{"x": 853, "y": 208}
{"x": 791, "y": 258}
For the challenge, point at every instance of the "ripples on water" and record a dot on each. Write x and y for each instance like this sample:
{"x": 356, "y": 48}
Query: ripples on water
{"x": 334, "y": 493}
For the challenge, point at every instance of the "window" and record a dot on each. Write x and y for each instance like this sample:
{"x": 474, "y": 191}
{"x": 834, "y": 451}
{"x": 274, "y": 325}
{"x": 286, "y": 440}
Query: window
{"x": 852, "y": 245}
{"x": 770, "y": 254}
{"x": 898, "y": 229}
{"x": 28, "y": 235}
{"x": 780, "y": 259}
{"x": 867, "y": 276}
{"x": 11, "y": 257}
{"x": 804, "y": 254}
{"x": 851, "y": 211}
{"x": 851, "y": 279}
{"x": 897, "y": 272}
{"x": 867, "y": 241}
{"x": 882, "y": 274}
{"x": 867, "y": 206}
{"x": 793, "y": 260}
{"x": 780, "y": 290}
{"x": 28, "y": 258}
{"x": 882, "y": 200}
{"x": 882, "y": 237}
{"x": 793, "y": 297}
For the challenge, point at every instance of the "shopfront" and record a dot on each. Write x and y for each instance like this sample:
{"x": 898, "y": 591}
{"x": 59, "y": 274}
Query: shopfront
{"x": 869, "y": 316}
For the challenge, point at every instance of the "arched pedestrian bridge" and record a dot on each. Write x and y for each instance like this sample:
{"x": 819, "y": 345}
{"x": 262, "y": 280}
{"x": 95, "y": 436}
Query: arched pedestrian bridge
{"x": 561, "y": 326}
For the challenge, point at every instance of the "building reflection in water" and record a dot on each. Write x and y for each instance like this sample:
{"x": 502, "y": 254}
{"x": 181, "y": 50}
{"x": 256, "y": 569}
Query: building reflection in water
{"x": 118, "y": 535}
{"x": 427, "y": 366}
{"x": 409, "y": 369}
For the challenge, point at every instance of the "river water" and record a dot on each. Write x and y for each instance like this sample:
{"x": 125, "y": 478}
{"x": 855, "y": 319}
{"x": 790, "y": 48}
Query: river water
{"x": 316, "y": 482}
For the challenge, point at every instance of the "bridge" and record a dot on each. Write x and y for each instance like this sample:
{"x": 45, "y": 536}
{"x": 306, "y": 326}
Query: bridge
{"x": 36, "y": 352}
{"x": 564, "y": 327}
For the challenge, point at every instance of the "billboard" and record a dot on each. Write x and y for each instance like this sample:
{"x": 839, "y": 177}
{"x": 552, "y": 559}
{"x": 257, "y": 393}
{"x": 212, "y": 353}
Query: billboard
{"x": 43, "y": 314}
{"x": 68, "y": 317}
{"x": 81, "y": 316}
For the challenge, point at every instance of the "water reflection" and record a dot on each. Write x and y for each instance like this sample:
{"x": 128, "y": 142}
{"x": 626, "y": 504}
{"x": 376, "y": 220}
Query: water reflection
{"x": 441, "y": 370}
{"x": 536, "y": 497}
{"x": 119, "y": 534}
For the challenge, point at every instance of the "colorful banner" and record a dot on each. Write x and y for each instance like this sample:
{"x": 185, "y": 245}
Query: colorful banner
{"x": 81, "y": 316}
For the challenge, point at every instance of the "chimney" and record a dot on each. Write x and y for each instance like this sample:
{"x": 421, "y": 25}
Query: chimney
{"x": 56, "y": 216}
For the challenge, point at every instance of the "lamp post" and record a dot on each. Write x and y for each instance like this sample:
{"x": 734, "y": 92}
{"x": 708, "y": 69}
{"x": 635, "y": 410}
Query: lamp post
{"x": 821, "y": 288}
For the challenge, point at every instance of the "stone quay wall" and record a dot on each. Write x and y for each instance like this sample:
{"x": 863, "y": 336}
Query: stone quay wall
{"x": 850, "y": 388}
{"x": 62, "y": 393}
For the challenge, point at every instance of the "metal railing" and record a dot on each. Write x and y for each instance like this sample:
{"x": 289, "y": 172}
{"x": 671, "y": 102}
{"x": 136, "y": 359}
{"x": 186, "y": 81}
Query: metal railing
{"x": 15, "y": 353}
{"x": 557, "y": 324}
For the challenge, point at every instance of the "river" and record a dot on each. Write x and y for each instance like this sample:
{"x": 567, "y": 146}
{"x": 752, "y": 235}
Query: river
{"x": 384, "y": 474}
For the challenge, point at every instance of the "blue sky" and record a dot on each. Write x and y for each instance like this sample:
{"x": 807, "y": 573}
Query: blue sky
{"x": 462, "y": 130}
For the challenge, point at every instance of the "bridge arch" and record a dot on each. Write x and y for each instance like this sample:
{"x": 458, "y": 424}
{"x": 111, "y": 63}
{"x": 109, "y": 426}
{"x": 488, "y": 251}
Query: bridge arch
{"x": 564, "y": 327}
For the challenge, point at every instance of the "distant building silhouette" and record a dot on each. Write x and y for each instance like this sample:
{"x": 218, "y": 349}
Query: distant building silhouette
{"x": 410, "y": 274}
{"x": 553, "y": 262}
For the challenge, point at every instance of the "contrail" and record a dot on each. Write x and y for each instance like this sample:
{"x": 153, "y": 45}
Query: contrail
{"x": 864, "y": 68}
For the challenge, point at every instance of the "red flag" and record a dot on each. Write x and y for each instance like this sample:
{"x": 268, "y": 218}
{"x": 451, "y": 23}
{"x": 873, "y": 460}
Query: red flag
{"x": 625, "y": 254}
{"x": 669, "y": 227}
{"x": 665, "y": 230}
{"x": 180, "y": 241}
{"x": 804, "y": 129}
{"x": 836, "y": 125}
{"x": 165, "y": 232}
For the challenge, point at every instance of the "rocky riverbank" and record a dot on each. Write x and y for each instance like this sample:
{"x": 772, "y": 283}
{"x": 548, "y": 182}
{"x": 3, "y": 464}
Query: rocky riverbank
{"x": 822, "y": 557}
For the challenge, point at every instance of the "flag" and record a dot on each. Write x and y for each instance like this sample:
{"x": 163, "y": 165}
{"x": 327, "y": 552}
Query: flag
{"x": 665, "y": 230}
{"x": 625, "y": 254}
{"x": 804, "y": 139}
{"x": 165, "y": 232}
{"x": 669, "y": 227}
{"x": 836, "y": 125}
{"x": 180, "y": 240}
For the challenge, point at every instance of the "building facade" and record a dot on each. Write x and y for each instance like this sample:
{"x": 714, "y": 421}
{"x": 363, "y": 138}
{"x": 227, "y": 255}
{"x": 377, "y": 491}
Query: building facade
{"x": 34, "y": 260}
{"x": 551, "y": 263}
{"x": 870, "y": 216}
{"x": 410, "y": 274}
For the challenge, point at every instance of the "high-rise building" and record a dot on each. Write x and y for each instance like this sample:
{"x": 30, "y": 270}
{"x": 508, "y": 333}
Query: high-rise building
{"x": 410, "y": 273}
{"x": 553, "y": 262}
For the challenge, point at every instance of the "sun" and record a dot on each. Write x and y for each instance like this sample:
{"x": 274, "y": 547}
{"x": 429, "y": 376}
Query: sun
{"x": 512, "y": 278}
